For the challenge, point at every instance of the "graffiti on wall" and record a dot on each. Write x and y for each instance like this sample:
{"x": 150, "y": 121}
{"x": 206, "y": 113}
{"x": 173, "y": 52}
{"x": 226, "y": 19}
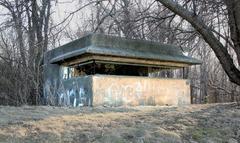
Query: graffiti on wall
{"x": 116, "y": 91}
{"x": 120, "y": 91}
{"x": 117, "y": 94}
{"x": 70, "y": 92}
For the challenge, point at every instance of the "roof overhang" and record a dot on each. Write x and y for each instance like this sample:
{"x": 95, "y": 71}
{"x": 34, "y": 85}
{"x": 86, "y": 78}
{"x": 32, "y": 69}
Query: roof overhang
{"x": 117, "y": 50}
{"x": 87, "y": 59}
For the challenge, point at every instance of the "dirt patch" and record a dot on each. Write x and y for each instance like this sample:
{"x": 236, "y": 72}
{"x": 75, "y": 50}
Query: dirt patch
{"x": 195, "y": 123}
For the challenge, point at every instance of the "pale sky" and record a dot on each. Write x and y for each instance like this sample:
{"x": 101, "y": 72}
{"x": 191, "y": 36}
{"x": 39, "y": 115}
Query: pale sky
{"x": 64, "y": 7}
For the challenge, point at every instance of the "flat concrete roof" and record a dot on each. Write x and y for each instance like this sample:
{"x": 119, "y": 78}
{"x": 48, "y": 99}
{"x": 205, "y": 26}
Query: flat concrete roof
{"x": 112, "y": 49}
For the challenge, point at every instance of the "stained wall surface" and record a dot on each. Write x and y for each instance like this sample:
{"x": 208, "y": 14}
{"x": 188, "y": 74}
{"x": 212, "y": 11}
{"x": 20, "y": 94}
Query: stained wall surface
{"x": 74, "y": 92}
{"x": 110, "y": 90}
{"x": 131, "y": 90}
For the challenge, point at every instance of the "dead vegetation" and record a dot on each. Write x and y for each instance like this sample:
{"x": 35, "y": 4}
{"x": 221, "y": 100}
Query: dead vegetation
{"x": 195, "y": 123}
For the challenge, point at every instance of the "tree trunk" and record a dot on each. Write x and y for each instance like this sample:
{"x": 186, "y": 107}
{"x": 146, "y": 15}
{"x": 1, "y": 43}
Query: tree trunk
{"x": 220, "y": 51}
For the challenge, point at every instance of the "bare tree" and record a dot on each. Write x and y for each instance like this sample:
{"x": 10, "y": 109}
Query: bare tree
{"x": 208, "y": 34}
{"x": 29, "y": 21}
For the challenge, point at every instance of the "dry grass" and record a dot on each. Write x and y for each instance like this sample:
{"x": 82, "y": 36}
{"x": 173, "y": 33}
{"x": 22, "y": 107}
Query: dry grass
{"x": 195, "y": 123}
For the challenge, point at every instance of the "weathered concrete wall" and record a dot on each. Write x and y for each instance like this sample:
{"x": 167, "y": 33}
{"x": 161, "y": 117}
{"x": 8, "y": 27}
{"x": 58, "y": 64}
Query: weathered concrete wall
{"x": 51, "y": 80}
{"x": 114, "y": 90}
{"x": 127, "y": 90}
{"x": 76, "y": 91}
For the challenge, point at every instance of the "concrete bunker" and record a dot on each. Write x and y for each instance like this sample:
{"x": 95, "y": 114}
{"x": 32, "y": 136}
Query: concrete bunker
{"x": 107, "y": 70}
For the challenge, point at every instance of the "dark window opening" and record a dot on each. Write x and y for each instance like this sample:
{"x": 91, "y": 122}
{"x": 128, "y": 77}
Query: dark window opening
{"x": 118, "y": 69}
{"x": 110, "y": 69}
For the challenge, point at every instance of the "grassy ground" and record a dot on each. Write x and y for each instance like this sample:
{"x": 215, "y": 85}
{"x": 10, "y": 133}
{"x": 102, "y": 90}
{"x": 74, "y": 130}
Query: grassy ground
{"x": 196, "y": 123}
